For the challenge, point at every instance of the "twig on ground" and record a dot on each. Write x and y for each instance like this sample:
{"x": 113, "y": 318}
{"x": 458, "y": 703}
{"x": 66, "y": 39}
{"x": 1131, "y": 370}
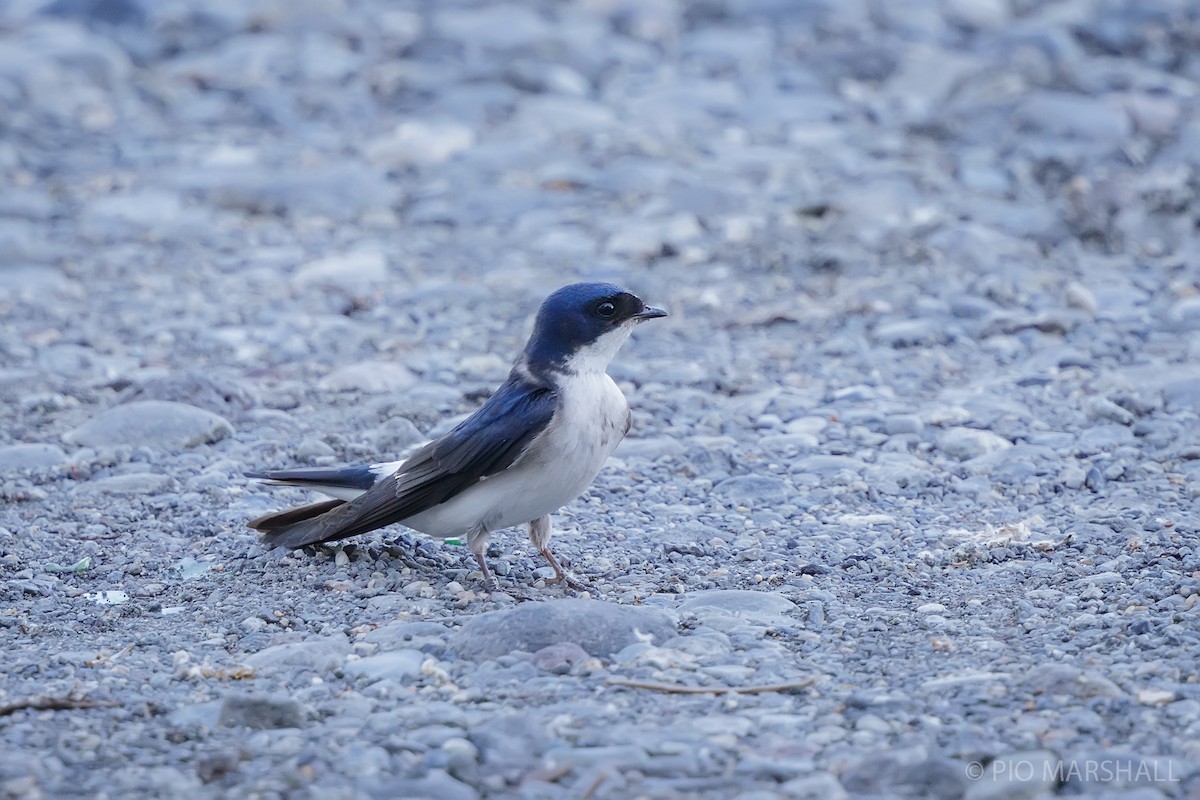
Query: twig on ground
{"x": 53, "y": 704}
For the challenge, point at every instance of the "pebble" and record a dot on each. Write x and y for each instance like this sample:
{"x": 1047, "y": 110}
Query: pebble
{"x": 599, "y": 628}
{"x": 132, "y": 484}
{"x": 560, "y": 658}
{"x": 754, "y": 490}
{"x": 368, "y": 377}
{"x": 151, "y": 423}
{"x": 22, "y": 457}
{"x": 317, "y": 654}
{"x": 260, "y": 712}
{"x": 398, "y": 665}
{"x": 967, "y": 443}
{"x": 357, "y": 272}
{"x": 1066, "y": 680}
{"x": 420, "y": 143}
{"x": 817, "y": 786}
{"x": 903, "y": 424}
{"x": 761, "y": 607}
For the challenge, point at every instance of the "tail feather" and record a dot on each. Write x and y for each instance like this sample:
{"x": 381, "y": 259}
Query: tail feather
{"x": 342, "y": 482}
{"x": 291, "y": 528}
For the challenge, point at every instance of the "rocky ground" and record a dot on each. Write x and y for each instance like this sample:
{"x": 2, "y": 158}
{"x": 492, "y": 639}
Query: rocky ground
{"x": 909, "y": 505}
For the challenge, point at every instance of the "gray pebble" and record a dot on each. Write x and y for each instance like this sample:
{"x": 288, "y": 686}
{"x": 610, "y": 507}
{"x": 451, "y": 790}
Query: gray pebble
{"x": 22, "y": 457}
{"x": 817, "y": 786}
{"x": 132, "y": 484}
{"x": 762, "y": 607}
{"x": 369, "y": 377}
{"x": 1066, "y": 680}
{"x": 153, "y": 423}
{"x": 261, "y": 712}
{"x": 754, "y": 490}
{"x": 601, "y": 629}
{"x": 967, "y": 443}
{"x": 317, "y": 654}
{"x": 398, "y": 665}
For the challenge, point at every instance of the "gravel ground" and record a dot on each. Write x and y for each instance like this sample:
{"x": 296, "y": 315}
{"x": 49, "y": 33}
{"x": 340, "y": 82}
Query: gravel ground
{"x": 909, "y": 505}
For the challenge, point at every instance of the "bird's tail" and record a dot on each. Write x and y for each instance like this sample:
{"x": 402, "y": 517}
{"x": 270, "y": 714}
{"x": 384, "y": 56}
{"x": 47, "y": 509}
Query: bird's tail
{"x": 291, "y": 528}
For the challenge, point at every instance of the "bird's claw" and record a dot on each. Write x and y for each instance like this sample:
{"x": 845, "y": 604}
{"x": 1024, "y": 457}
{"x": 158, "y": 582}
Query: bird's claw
{"x": 571, "y": 583}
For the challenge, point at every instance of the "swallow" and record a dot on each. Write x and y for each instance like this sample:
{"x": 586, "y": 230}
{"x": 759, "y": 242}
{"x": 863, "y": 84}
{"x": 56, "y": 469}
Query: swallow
{"x": 536, "y": 444}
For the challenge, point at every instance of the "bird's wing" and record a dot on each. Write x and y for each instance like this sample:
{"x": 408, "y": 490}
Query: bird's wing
{"x": 487, "y": 442}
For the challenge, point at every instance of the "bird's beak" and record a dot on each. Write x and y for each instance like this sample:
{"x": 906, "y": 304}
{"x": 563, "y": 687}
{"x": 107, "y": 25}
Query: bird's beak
{"x": 649, "y": 312}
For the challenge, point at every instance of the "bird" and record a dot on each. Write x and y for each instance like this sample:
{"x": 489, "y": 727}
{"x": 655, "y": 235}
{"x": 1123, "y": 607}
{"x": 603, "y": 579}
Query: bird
{"x": 534, "y": 446}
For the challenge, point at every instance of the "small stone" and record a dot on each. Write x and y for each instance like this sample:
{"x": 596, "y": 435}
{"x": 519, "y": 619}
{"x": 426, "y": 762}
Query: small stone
{"x": 560, "y": 658}
{"x": 1079, "y": 296}
{"x": 461, "y": 756}
{"x": 872, "y": 724}
{"x": 967, "y": 443}
{"x": 817, "y": 786}
{"x": 903, "y": 424}
{"x": 151, "y": 423}
{"x": 599, "y": 628}
{"x": 318, "y": 654}
{"x": 763, "y": 607}
{"x": 753, "y": 490}
{"x": 222, "y": 395}
{"x": 650, "y": 448}
{"x": 131, "y": 484}
{"x": 261, "y": 712}
{"x": 1103, "y": 409}
{"x": 21, "y": 457}
{"x": 1072, "y": 476}
{"x": 357, "y": 273}
{"x": 905, "y": 774}
{"x": 1155, "y": 697}
{"x": 911, "y": 333}
{"x": 977, "y": 14}
{"x": 401, "y": 666}
{"x": 615, "y": 756}
{"x": 1063, "y": 679}
{"x": 370, "y": 377}
{"x": 419, "y": 143}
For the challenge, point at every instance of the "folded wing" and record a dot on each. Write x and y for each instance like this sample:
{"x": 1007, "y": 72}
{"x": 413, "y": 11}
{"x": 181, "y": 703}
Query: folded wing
{"x": 486, "y": 443}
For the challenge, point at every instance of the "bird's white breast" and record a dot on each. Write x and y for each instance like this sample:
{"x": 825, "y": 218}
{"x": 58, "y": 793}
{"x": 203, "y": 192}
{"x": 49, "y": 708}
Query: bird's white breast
{"x": 558, "y": 465}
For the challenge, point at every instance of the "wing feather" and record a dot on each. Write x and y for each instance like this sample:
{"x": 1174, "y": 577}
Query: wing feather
{"x": 484, "y": 444}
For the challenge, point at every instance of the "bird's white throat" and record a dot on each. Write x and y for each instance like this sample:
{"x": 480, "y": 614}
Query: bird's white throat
{"x": 595, "y": 356}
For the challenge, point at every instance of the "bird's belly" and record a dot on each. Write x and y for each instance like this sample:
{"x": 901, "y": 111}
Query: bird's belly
{"x": 556, "y": 468}
{"x": 504, "y": 500}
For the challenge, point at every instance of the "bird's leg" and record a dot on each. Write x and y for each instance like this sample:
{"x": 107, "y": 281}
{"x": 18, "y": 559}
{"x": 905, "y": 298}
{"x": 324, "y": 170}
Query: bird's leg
{"x": 539, "y": 534}
{"x": 477, "y": 540}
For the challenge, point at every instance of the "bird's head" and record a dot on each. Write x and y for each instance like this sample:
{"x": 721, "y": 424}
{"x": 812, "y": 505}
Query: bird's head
{"x": 581, "y": 327}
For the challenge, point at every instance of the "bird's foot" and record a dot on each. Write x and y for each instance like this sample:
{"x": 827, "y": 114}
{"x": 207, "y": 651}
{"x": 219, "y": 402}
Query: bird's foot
{"x": 571, "y": 583}
{"x": 489, "y": 580}
{"x": 561, "y": 576}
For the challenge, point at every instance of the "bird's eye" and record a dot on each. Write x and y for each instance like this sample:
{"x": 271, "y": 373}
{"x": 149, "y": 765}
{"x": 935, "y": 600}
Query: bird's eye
{"x": 606, "y": 309}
